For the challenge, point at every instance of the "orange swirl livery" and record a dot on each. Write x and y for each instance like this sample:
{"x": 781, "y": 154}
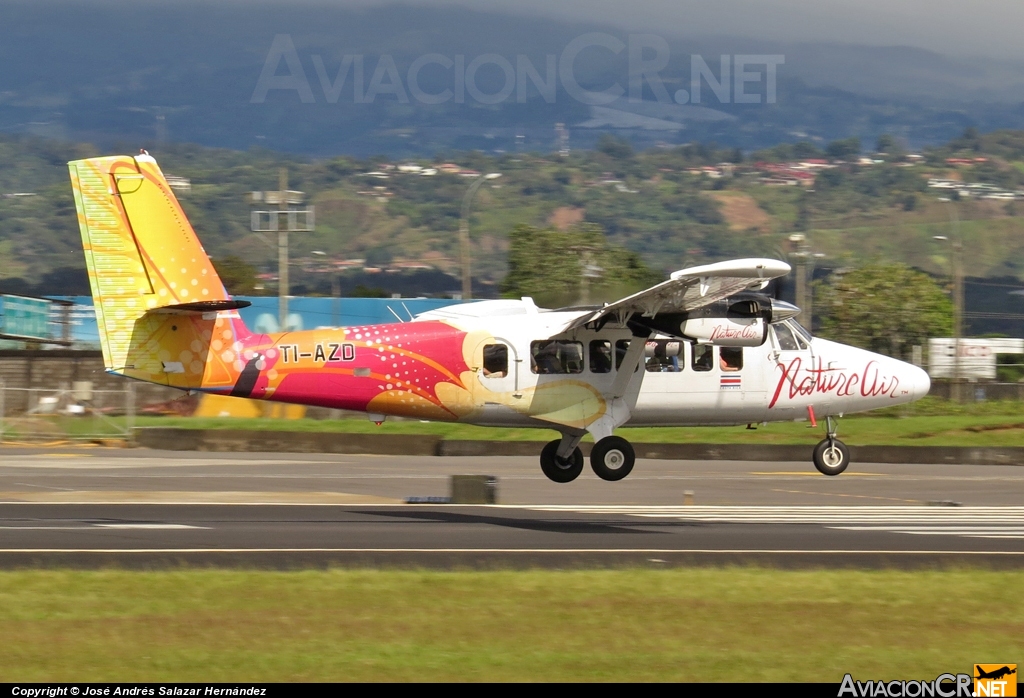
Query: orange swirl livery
{"x": 660, "y": 357}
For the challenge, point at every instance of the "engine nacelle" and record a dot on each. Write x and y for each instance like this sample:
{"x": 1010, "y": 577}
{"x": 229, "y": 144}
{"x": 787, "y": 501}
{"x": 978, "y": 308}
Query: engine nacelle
{"x": 726, "y": 332}
{"x": 741, "y": 320}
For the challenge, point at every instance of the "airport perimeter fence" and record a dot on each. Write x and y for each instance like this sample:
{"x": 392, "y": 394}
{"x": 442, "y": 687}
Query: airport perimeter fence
{"x": 74, "y": 413}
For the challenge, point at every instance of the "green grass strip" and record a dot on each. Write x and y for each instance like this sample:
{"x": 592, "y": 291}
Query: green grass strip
{"x": 688, "y": 624}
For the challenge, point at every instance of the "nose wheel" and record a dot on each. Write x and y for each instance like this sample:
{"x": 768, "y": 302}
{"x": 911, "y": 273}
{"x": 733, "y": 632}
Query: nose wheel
{"x": 831, "y": 456}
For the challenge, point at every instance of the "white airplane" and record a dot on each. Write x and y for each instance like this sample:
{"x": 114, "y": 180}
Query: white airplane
{"x": 703, "y": 348}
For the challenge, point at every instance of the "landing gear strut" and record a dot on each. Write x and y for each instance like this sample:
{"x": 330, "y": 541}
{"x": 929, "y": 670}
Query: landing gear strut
{"x": 831, "y": 456}
{"x": 558, "y": 468}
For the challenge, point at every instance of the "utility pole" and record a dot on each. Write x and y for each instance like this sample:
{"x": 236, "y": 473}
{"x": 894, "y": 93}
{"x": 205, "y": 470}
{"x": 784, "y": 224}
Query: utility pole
{"x": 283, "y": 220}
{"x": 804, "y": 291}
{"x": 803, "y": 298}
{"x": 957, "y": 263}
{"x": 464, "y": 251}
{"x": 282, "y": 253}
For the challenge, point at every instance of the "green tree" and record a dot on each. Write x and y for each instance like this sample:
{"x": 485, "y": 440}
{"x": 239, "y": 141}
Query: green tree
{"x": 886, "y": 308}
{"x": 844, "y": 149}
{"x": 238, "y": 276}
{"x": 617, "y": 148}
{"x": 560, "y": 268}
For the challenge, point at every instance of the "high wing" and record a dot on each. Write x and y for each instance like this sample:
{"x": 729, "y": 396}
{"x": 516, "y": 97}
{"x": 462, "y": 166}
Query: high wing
{"x": 690, "y": 289}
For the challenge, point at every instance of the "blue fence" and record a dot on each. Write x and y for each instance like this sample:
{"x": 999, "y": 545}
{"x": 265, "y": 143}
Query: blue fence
{"x": 262, "y": 316}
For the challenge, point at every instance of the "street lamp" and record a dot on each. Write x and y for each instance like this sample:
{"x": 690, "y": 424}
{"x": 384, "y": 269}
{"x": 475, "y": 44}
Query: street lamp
{"x": 467, "y": 280}
{"x": 285, "y": 219}
{"x": 957, "y": 245}
{"x": 804, "y": 293}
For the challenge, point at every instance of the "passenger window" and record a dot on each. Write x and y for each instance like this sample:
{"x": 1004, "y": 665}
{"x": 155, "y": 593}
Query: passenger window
{"x": 621, "y": 347}
{"x": 556, "y": 356}
{"x": 786, "y": 340}
{"x": 703, "y": 357}
{"x": 731, "y": 359}
{"x": 495, "y": 360}
{"x": 600, "y": 356}
{"x": 662, "y": 356}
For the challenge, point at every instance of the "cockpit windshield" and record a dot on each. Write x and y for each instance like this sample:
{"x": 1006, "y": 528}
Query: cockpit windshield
{"x": 799, "y": 329}
{"x": 792, "y": 336}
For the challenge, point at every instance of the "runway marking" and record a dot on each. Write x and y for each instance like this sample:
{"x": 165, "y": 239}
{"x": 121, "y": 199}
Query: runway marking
{"x": 559, "y": 551}
{"x": 852, "y": 496}
{"x": 93, "y": 527}
{"x": 149, "y": 527}
{"x": 813, "y": 473}
{"x": 964, "y": 522}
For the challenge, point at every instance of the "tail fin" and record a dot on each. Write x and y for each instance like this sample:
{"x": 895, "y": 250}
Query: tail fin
{"x": 143, "y": 256}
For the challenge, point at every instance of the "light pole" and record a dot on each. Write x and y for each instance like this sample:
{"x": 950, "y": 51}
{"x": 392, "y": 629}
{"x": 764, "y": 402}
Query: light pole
{"x": 467, "y": 200}
{"x": 956, "y": 262}
{"x": 804, "y": 293}
{"x": 271, "y": 221}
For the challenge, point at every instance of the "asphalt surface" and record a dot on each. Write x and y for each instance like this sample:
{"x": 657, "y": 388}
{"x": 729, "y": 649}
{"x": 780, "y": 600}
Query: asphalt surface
{"x": 138, "y": 508}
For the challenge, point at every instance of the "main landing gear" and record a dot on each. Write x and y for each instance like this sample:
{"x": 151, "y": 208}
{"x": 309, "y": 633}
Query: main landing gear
{"x": 612, "y": 459}
{"x": 831, "y": 456}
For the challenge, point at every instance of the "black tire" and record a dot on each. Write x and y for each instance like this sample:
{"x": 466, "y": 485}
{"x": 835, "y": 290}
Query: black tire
{"x": 831, "y": 457}
{"x": 557, "y": 469}
{"x": 612, "y": 458}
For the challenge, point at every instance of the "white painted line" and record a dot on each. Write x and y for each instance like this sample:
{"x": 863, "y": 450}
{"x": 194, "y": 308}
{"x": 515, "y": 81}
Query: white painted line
{"x": 562, "y": 551}
{"x": 93, "y": 527}
{"x": 148, "y": 527}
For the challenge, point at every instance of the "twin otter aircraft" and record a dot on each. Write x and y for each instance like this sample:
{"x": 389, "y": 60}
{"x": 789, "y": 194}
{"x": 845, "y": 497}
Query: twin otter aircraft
{"x": 703, "y": 348}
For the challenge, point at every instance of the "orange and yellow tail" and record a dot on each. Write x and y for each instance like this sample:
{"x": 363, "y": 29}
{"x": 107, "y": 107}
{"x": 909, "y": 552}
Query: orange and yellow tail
{"x": 156, "y": 293}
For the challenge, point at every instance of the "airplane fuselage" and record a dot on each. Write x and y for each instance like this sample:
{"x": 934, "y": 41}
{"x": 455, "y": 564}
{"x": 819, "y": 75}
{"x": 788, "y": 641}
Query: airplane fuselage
{"x": 437, "y": 368}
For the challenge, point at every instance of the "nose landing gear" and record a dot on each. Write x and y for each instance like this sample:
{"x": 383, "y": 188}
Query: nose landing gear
{"x": 831, "y": 456}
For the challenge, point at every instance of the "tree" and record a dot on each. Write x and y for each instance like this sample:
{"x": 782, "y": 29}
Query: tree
{"x": 886, "y": 308}
{"x": 614, "y": 147}
{"x": 238, "y": 276}
{"x": 844, "y": 149}
{"x": 886, "y": 143}
{"x": 560, "y": 268}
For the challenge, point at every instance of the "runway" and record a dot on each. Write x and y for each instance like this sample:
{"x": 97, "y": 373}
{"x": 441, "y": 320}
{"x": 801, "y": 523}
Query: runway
{"x": 137, "y": 508}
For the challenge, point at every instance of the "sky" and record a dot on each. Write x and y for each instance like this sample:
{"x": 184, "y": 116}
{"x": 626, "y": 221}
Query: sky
{"x": 989, "y": 28}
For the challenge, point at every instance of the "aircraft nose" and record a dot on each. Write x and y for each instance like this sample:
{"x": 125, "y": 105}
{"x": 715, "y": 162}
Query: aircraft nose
{"x": 920, "y": 381}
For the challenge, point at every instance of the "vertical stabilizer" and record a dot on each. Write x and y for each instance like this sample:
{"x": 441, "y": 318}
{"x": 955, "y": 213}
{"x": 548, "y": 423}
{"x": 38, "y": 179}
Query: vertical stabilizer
{"x": 140, "y": 250}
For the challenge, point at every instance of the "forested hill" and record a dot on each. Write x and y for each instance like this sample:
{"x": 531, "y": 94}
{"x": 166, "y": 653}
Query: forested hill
{"x": 854, "y": 202}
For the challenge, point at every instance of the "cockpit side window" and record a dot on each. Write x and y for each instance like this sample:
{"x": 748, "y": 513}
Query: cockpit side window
{"x": 787, "y": 342}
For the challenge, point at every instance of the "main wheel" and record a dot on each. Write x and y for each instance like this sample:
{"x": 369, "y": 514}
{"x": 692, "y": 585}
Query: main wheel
{"x": 831, "y": 457}
{"x": 560, "y": 469}
{"x": 612, "y": 458}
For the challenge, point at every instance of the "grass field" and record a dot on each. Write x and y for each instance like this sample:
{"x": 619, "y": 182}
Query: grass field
{"x": 930, "y": 422}
{"x": 699, "y": 624}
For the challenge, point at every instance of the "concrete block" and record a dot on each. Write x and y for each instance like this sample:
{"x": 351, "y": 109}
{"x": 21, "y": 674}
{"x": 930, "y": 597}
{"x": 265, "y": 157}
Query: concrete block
{"x": 474, "y": 489}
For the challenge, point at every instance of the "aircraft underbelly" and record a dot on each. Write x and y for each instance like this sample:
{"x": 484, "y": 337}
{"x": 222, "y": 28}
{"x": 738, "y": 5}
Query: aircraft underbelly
{"x": 679, "y": 399}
